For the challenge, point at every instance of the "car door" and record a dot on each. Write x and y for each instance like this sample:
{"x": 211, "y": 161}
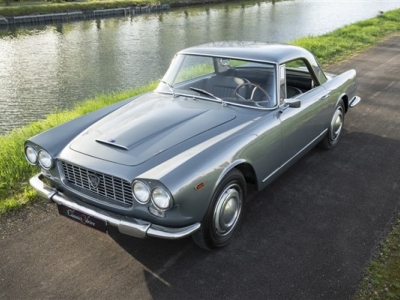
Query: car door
{"x": 301, "y": 127}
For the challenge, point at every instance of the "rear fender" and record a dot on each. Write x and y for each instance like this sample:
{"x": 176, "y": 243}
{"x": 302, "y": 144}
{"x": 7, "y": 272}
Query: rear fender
{"x": 344, "y": 85}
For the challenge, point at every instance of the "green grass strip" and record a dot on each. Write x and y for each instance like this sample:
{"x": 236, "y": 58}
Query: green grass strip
{"x": 345, "y": 42}
{"x": 382, "y": 277}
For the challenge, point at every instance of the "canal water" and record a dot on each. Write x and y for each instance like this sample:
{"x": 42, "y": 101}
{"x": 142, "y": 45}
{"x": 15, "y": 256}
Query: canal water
{"x": 51, "y": 67}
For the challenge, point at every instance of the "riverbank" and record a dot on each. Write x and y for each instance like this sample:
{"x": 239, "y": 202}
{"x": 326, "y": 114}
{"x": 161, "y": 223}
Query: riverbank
{"x": 329, "y": 48}
{"x": 17, "y": 9}
{"x": 82, "y": 15}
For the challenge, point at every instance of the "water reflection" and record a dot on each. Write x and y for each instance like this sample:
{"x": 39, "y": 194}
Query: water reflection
{"x": 51, "y": 67}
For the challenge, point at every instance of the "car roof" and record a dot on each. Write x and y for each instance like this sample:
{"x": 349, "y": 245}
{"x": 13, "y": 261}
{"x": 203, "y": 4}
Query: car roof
{"x": 274, "y": 53}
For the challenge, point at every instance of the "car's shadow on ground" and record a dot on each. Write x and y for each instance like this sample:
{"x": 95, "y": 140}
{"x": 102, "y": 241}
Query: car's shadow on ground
{"x": 309, "y": 235}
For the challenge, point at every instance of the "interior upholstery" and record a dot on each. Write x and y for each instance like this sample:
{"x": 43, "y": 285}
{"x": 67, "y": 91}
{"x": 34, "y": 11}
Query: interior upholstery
{"x": 292, "y": 91}
{"x": 224, "y": 86}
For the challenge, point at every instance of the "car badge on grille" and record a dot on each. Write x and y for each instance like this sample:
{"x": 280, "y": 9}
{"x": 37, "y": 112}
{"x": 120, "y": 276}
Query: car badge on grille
{"x": 94, "y": 181}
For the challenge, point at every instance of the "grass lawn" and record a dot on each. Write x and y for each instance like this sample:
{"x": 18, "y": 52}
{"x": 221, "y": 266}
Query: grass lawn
{"x": 382, "y": 277}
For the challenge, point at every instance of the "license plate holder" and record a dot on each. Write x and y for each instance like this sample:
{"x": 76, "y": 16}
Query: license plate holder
{"x": 82, "y": 218}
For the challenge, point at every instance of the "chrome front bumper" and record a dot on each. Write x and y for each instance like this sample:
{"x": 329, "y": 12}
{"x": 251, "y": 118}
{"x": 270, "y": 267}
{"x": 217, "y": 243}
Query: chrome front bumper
{"x": 126, "y": 225}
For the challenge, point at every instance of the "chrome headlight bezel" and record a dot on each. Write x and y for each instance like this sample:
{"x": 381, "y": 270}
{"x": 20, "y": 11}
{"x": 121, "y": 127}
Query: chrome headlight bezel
{"x": 46, "y": 161}
{"x": 142, "y": 199}
{"x": 31, "y": 152}
{"x": 161, "y": 198}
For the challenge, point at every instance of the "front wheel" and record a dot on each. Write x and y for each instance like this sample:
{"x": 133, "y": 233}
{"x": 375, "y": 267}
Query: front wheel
{"x": 224, "y": 214}
{"x": 331, "y": 138}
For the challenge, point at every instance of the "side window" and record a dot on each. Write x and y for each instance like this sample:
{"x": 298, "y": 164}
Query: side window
{"x": 298, "y": 78}
{"x": 297, "y": 64}
{"x": 282, "y": 83}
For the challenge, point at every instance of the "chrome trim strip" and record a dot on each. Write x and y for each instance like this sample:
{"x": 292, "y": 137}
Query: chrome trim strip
{"x": 183, "y": 52}
{"x": 126, "y": 225}
{"x": 111, "y": 144}
{"x": 321, "y": 134}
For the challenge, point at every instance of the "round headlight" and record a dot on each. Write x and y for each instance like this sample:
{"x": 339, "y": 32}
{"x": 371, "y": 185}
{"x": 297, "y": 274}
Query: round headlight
{"x": 45, "y": 160}
{"x": 31, "y": 155}
{"x": 161, "y": 198}
{"x": 141, "y": 191}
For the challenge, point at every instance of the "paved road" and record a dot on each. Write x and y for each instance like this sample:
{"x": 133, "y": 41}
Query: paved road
{"x": 308, "y": 236}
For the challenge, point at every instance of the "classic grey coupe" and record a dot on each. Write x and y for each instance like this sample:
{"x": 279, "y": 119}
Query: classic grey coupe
{"x": 176, "y": 161}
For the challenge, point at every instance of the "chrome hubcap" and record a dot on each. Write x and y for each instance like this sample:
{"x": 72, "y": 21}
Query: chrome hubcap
{"x": 228, "y": 209}
{"x": 337, "y": 124}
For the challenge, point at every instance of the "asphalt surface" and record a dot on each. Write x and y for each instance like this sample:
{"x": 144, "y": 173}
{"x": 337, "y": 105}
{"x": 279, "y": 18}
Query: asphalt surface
{"x": 309, "y": 235}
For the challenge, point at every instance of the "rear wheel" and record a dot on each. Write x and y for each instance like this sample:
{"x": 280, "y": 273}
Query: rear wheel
{"x": 331, "y": 138}
{"x": 224, "y": 214}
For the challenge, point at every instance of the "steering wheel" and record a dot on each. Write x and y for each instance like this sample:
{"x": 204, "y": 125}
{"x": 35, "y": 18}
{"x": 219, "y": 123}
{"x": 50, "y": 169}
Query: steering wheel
{"x": 255, "y": 87}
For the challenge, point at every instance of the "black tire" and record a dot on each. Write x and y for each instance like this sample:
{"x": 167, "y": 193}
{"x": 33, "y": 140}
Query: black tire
{"x": 224, "y": 213}
{"x": 331, "y": 138}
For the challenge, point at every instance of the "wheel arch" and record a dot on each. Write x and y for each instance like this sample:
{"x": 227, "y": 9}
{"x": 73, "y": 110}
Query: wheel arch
{"x": 345, "y": 99}
{"x": 248, "y": 172}
{"x": 224, "y": 212}
{"x": 244, "y": 167}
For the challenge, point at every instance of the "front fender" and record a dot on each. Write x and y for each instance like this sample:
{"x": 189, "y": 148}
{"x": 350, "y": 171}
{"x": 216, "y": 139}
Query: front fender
{"x": 228, "y": 169}
{"x": 194, "y": 182}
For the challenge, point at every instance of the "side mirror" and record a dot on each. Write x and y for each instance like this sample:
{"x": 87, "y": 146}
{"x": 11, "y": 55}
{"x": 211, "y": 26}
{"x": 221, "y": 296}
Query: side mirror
{"x": 293, "y": 103}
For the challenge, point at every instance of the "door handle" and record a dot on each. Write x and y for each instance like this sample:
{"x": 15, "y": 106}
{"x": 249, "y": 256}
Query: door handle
{"x": 325, "y": 96}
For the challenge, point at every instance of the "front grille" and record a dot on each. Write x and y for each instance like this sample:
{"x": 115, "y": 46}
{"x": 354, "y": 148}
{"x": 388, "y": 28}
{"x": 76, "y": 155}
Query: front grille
{"x": 110, "y": 187}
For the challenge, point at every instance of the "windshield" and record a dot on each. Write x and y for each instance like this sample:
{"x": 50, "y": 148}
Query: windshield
{"x": 233, "y": 81}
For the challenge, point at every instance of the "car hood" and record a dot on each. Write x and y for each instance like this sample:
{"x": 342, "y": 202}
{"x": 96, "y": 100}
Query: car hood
{"x": 148, "y": 126}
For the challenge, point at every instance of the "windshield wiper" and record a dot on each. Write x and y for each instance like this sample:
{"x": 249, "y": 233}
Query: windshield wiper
{"x": 208, "y": 94}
